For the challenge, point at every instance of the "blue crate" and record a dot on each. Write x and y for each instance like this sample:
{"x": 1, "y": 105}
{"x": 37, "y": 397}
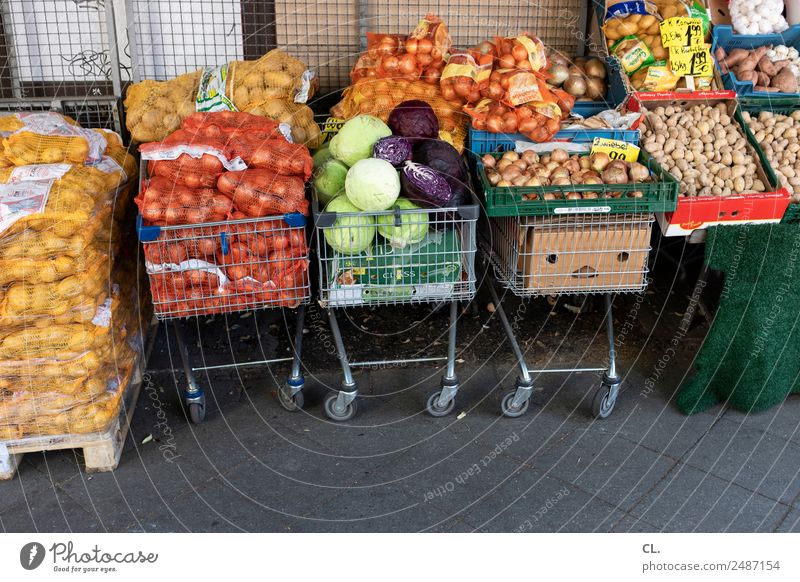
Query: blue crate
{"x": 728, "y": 40}
{"x": 482, "y": 142}
{"x": 616, "y": 93}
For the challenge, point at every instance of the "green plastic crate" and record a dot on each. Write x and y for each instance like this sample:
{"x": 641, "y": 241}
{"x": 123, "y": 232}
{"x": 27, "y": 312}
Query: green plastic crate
{"x": 783, "y": 106}
{"x": 658, "y": 196}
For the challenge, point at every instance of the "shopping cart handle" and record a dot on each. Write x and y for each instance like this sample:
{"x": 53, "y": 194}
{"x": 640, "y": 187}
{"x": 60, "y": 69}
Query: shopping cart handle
{"x": 224, "y": 238}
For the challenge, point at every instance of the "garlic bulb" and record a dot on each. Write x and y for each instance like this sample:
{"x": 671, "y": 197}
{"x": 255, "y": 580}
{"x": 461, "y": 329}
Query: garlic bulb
{"x": 757, "y": 16}
{"x": 782, "y": 52}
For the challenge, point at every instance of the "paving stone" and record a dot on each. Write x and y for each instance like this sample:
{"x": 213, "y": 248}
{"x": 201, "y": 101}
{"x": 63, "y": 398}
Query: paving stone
{"x": 756, "y": 460}
{"x": 632, "y": 524}
{"x": 790, "y": 523}
{"x": 614, "y": 468}
{"x": 48, "y": 511}
{"x": 138, "y": 487}
{"x": 690, "y": 500}
{"x": 386, "y": 509}
{"x": 529, "y": 501}
{"x": 780, "y": 421}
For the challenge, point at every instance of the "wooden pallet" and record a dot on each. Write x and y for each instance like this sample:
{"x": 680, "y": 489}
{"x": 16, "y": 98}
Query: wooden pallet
{"x": 101, "y": 450}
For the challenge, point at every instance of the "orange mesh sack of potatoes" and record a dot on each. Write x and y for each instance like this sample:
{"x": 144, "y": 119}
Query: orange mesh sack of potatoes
{"x": 379, "y": 97}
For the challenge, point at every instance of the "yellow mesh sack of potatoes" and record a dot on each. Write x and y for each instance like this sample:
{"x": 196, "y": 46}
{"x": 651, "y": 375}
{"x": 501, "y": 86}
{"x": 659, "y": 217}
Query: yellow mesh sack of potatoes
{"x": 276, "y": 75}
{"x": 154, "y": 109}
{"x": 296, "y": 115}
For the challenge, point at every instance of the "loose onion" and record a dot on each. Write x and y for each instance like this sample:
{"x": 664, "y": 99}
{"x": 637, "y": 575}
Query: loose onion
{"x": 558, "y": 74}
{"x": 488, "y": 161}
{"x": 559, "y": 155}
{"x": 595, "y": 68}
{"x": 638, "y": 172}
{"x": 575, "y": 85}
{"x": 599, "y": 161}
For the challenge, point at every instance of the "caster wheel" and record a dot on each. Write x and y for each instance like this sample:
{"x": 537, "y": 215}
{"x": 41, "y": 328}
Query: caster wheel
{"x": 291, "y": 403}
{"x": 197, "y": 412}
{"x": 602, "y": 403}
{"x": 339, "y": 416}
{"x": 510, "y": 411}
{"x": 434, "y": 409}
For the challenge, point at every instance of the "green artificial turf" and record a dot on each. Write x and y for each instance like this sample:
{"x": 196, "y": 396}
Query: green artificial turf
{"x": 751, "y": 356}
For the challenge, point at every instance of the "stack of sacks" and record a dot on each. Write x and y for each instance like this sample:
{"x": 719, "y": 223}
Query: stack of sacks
{"x": 275, "y": 86}
{"x": 67, "y": 317}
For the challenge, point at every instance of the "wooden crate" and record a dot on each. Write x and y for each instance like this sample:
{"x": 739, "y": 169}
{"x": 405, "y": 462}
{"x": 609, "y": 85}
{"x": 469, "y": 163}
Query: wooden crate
{"x": 101, "y": 450}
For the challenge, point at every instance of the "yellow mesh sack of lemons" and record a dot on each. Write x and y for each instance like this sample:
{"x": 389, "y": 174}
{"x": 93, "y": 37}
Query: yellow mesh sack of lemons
{"x": 296, "y": 115}
{"x": 154, "y": 109}
{"x": 276, "y": 75}
{"x": 379, "y": 97}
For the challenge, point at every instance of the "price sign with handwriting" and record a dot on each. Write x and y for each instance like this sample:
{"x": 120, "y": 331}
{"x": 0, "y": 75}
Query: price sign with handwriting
{"x": 681, "y": 31}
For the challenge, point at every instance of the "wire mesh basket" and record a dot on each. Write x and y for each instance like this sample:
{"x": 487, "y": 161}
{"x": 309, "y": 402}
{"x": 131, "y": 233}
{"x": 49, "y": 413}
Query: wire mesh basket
{"x": 223, "y": 267}
{"x": 416, "y": 256}
{"x": 538, "y": 255}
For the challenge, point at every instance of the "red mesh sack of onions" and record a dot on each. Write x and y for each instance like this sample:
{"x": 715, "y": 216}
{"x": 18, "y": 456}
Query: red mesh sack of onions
{"x": 419, "y": 55}
{"x": 465, "y": 75}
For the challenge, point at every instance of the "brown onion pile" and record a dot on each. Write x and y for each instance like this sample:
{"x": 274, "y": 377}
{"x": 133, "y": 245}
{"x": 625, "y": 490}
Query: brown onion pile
{"x": 558, "y": 168}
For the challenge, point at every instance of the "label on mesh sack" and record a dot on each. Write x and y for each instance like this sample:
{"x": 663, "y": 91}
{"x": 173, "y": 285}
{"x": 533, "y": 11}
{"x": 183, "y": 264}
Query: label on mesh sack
{"x": 211, "y": 92}
{"x": 109, "y": 165}
{"x": 158, "y": 151}
{"x": 53, "y": 124}
{"x": 286, "y": 131}
{"x": 102, "y": 317}
{"x": 22, "y": 199}
{"x": 188, "y": 265}
{"x": 307, "y": 80}
{"x": 38, "y": 172}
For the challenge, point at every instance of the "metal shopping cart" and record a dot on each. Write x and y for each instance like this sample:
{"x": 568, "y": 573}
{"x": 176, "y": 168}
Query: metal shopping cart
{"x": 417, "y": 256}
{"x": 575, "y": 254}
{"x": 545, "y": 241}
{"x": 226, "y": 267}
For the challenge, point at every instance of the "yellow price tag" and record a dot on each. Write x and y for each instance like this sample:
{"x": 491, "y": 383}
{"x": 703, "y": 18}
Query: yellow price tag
{"x": 616, "y": 150}
{"x": 681, "y": 31}
{"x": 694, "y": 61}
{"x": 331, "y": 127}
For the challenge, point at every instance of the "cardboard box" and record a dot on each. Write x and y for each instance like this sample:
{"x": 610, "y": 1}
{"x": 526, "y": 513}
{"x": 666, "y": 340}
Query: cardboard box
{"x": 584, "y": 254}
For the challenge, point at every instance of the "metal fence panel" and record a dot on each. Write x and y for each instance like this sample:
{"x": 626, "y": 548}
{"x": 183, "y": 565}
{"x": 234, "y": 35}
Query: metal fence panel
{"x": 170, "y": 37}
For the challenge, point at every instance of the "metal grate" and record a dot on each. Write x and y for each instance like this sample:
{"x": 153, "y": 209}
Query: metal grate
{"x": 96, "y": 113}
{"x": 172, "y": 37}
{"x": 538, "y": 255}
{"x": 57, "y": 48}
{"x": 436, "y": 262}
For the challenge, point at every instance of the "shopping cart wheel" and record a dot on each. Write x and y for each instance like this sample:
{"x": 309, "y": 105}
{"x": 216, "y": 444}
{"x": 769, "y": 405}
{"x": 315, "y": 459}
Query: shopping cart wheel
{"x": 337, "y": 414}
{"x": 434, "y": 409}
{"x": 604, "y": 400}
{"x": 289, "y": 402}
{"x": 509, "y": 410}
{"x": 197, "y": 412}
